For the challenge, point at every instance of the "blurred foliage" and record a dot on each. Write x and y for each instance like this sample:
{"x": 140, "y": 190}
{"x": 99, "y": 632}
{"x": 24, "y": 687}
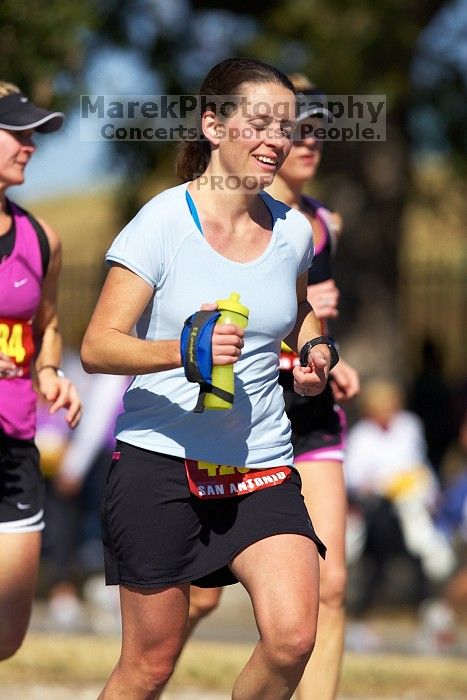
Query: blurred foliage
{"x": 346, "y": 46}
{"x": 42, "y": 45}
{"x": 354, "y": 45}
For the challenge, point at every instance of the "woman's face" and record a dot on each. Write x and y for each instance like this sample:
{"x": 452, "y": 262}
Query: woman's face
{"x": 16, "y": 148}
{"x": 305, "y": 155}
{"x": 254, "y": 142}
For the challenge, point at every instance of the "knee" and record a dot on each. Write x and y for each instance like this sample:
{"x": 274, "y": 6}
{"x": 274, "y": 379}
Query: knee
{"x": 202, "y": 606}
{"x": 332, "y": 588}
{"x": 290, "y": 646}
{"x": 150, "y": 672}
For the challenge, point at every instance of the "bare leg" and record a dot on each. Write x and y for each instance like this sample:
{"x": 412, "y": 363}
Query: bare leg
{"x": 202, "y": 602}
{"x": 324, "y": 491}
{"x": 19, "y": 557}
{"x": 281, "y": 575}
{"x": 153, "y": 628}
{"x": 456, "y": 590}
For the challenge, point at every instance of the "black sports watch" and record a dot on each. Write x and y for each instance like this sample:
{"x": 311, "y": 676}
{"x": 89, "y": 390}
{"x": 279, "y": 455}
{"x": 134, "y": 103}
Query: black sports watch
{"x": 320, "y": 340}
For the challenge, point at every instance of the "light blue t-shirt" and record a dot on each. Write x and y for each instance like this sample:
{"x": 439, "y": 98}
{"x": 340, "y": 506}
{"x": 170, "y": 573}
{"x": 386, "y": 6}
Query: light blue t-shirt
{"x": 163, "y": 245}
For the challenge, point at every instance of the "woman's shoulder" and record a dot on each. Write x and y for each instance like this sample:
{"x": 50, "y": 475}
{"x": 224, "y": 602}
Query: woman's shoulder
{"x": 163, "y": 201}
{"x": 163, "y": 209}
{"x": 48, "y": 239}
{"x": 283, "y": 212}
{"x": 315, "y": 204}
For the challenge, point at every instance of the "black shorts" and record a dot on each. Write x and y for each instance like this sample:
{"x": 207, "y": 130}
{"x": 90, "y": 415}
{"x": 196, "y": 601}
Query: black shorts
{"x": 156, "y": 533}
{"x": 21, "y": 486}
{"x": 318, "y": 423}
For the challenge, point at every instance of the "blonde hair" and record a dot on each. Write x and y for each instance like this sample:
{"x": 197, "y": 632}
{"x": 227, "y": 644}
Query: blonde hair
{"x": 381, "y": 396}
{"x": 8, "y": 88}
{"x": 300, "y": 82}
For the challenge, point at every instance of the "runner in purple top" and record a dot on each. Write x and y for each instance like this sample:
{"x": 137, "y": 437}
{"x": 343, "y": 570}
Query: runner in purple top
{"x": 30, "y": 350}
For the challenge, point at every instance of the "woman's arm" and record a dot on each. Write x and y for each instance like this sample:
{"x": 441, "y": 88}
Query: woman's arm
{"x": 324, "y": 298}
{"x": 59, "y": 391}
{"x": 47, "y": 335}
{"x": 309, "y": 380}
{"x": 109, "y": 346}
{"x": 345, "y": 382}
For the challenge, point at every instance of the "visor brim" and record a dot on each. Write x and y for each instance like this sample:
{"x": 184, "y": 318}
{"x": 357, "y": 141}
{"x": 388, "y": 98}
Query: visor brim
{"x": 316, "y": 112}
{"x": 19, "y": 115}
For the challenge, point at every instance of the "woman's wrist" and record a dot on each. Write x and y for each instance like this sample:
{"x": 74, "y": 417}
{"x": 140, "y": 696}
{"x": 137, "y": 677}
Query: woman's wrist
{"x": 51, "y": 368}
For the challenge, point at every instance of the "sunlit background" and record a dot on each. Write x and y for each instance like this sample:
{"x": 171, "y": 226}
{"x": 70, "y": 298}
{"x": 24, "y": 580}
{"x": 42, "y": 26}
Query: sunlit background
{"x": 401, "y": 265}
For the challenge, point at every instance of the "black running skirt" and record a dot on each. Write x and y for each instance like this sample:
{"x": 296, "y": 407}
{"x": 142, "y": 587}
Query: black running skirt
{"x": 156, "y": 533}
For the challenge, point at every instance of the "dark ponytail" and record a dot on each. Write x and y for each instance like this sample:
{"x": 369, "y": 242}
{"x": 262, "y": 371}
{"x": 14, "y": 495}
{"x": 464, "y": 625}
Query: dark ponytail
{"x": 224, "y": 79}
{"x": 192, "y": 159}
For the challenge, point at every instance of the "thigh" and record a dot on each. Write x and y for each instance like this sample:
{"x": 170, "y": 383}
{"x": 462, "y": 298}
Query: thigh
{"x": 281, "y": 574}
{"x": 204, "y": 598}
{"x": 323, "y": 488}
{"x": 21, "y": 486}
{"x": 19, "y": 556}
{"x": 149, "y": 526}
{"x": 153, "y": 620}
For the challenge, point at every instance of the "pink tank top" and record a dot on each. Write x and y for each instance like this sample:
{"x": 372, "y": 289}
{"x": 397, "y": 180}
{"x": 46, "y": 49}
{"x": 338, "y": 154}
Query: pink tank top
{"x": 20, "y": 295}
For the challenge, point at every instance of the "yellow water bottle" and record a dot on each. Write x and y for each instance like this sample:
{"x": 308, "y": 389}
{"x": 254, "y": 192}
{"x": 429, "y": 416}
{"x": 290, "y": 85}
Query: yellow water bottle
{"x": 223, "y": 375}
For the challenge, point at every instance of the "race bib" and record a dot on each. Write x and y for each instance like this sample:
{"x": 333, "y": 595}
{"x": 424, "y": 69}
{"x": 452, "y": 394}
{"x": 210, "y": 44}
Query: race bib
{"x": 288, "y": 360}
{"x": 208, "y": 480}
{"x": 16, "y": 341}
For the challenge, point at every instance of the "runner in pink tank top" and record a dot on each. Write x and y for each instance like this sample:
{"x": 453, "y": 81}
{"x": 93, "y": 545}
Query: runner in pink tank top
{"x": 30, "y": 350}
{"x": 20, "y": 296}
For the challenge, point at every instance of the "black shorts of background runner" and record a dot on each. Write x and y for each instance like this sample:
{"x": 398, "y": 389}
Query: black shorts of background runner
{"x": 315, "y": 420}
{"x": 21, "y": 486}
{"x": 156, "y": 533}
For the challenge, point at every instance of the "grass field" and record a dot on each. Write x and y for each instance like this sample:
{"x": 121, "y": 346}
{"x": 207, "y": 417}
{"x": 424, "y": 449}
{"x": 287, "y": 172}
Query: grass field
{"x": 77, "y": 661}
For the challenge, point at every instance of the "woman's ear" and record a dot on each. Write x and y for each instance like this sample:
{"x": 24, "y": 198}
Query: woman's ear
{"x": 211, "y": 127}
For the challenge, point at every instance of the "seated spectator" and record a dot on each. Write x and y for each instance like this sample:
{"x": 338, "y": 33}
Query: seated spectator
{"x": 388, "y": 474}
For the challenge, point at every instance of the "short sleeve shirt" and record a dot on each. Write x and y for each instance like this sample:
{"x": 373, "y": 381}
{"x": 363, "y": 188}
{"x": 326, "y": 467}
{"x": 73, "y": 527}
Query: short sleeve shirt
{"x": 164, "y": 247}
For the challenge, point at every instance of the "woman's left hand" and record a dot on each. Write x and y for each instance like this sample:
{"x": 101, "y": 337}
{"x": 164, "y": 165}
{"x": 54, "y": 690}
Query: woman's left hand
{"x": 311, "y": 380}
{"x": 345, "y": 382}
{"x": 60, "y": 393}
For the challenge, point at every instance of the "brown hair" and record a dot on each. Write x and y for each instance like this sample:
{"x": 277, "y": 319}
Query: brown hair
{"x": 224, "y": 79}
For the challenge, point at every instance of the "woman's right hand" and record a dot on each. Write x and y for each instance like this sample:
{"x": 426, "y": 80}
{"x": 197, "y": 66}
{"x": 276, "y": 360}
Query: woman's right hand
{"x": 227, "y": 340}
{"x": 7, "y": 367}
{"x": 324, "y": 298}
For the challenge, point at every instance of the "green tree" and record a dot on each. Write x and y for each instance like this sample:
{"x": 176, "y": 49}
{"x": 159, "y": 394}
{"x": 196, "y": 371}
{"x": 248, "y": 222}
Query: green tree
{"x": 42, "y": 47}
{"x": 347, "y": 47}
{"x": 359, "y": 47}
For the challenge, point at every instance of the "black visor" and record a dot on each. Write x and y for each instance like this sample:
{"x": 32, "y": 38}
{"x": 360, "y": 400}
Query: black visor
{"x": 313, "y": 104}
{"x": 18, "y": 114}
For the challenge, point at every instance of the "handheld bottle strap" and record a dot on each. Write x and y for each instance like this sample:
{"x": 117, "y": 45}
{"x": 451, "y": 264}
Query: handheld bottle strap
{"x": 196, "y": 352}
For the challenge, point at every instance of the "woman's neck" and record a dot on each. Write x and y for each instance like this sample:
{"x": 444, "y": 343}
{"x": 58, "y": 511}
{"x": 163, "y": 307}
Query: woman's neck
{"x": 288, "y": 192}
{"x": 3, "y": 202}
{"x": 5, "y": 215}
{"x": 211, "y": 194}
